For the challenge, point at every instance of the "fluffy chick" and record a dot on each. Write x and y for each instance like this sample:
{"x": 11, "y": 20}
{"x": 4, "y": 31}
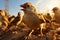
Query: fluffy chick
{"x": 30, "y": 17}
{"x": 56, "y": 17}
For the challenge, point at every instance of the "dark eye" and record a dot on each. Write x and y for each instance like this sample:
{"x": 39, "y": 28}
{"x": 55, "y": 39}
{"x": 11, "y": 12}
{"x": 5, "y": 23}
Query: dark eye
{"x": 27, "y": 5}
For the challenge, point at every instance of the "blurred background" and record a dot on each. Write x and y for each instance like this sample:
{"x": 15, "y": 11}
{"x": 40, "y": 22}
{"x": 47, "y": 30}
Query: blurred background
{"x": 13, "y": 6}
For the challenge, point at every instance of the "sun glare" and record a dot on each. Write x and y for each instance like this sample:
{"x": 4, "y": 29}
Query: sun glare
{"x": 53, "y": 4}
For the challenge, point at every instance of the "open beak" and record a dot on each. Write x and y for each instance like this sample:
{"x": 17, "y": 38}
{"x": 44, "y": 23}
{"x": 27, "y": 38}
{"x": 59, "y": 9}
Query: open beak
{"x": 22, "y": 7}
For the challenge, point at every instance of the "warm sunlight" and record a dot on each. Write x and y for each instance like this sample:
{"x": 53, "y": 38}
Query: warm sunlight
{"x": 29, "y": 19}
{"x": 53, "y": 4}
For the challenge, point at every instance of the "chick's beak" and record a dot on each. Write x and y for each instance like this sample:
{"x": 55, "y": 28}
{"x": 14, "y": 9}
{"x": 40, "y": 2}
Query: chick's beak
{"x": 22, "y": 6}
{"x": 22, "y": 9}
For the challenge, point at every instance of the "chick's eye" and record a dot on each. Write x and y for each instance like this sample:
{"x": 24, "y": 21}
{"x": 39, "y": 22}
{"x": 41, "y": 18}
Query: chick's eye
{"x": 27, "y": 5}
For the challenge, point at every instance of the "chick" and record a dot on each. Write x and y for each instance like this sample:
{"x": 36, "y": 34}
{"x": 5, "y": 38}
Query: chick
{"x": 48, "y": 18}
{"x": 56, "y": 17}
{"x": 30, "y": 17}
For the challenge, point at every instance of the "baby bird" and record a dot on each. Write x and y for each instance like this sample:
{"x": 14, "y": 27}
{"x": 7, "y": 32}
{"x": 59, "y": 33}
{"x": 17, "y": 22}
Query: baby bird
{"x": 56, "y": 17}
{"x": 30, "y": 17}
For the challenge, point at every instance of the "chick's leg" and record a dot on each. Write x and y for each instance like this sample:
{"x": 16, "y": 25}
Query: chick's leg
{"x": 30, "y": 34}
